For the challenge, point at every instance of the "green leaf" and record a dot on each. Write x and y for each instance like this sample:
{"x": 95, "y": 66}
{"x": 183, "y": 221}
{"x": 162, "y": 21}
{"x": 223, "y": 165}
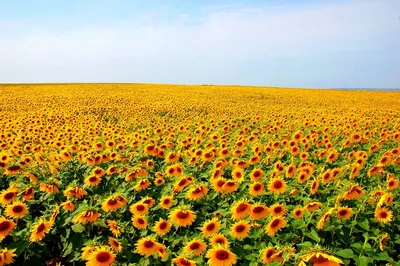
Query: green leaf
{"x": 78, "y": 228}
{"x": 305, "y": 244}
{"x": 345, "y": 253}
{"x": 251, "y": 257}
{"x": 364, "y": 224}
{"x": 314, "y": 236}
{"x": 100, "y": 223}
{"x": 362, "y": 261}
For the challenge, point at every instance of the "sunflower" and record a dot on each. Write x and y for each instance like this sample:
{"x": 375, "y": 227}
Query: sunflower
{"x": 312, "y": 206}
{"x": 277, "y": 185}
{"x": 182, "y": 261}
{"x": 392, "y": 184}
{"x": 6, "y": 227}
{"x": 13, "y": 169}
{"x": 277, "y": 210}
{"x": 40, "y": 229}
{"x": 240, "y": 210}
{"x": 140, "y": 222}
{"x": 220, "y": 256}
{"x": 181, "y": 184}
{"x": 298, "y": 213}
{"x": 195, "y": 247}
{"x": 383, "y": 215}
{"x": 268, "y": 255}
{"x": 146, "y": 246}
{"x": 28, "y": 194}
{"x": 6, "y": 256}
{"x": 142, "y": 185}
{"x": 319, "y": 258}
{"x": 92, "y": 180}
{"x": 182, "y": 217}
{"x": 324, "y": 218}
{"x": 8, "y": 196}
{"x": 344, "y": 213}
{"x": 276, "y": 224}
{"x": 162, "y": 227}
{"x": 238, "y": 175}
{"x": 218, "y": 184}
{"x": 111, "y": 204}
{"x": 290, "y": 170}
{"x": 101, "y": 257}
{"x": 210, "y": 227}
{"x": 256, "y": 189}
{"x": 383, "y": 241}
{"x": 259, "y": 211}
{"x": 88, "y": 216}
{"x": 98, "y": 171}
{"x": 256, "y": 174}
{"x": 68, "y": 206}
{"x": 327, "y": 176}
{"x": 114, "y": 244}
{"x": 148, "y": 201}
{"x": 32, "y": 178}
{"x": 114, "y": 228}
{"x": 314, "y": 186}
{"x": 75, "y": 192}
{"x": 240, "y": 229}
{"x": 197, "y": 192}
{"x": 166, "y": 202}
{"x": 219, "y": 240}
{"x": 355, "y": 192}
{"x": 162, "y": 251}
{"x": 16, "y": 210}
{"x": 139, "y": 209}
{"x": 49, "y": 188}
{"x": 230, "y": 187}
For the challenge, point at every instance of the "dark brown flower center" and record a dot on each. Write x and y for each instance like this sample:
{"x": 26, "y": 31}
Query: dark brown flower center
{"x": 9, "y": 195}
{"x": 194, "y": 246}
{"x": 275, "y": 223}
{"x": 17, "y": 209}
{"x": 163, "y": 225}
{"x": 5, "y": 225}
{"x": 240, "y": 228}
{"x": 182, "y": 214}
{"x": 148, "y": 244}
{"x": 222, "y": 255}
{"x": 40, "y": 228}
{"x": 103, "y": 256}
{"x": 210, "y": 227}
{"x": 242, "y": 207}
{"x": 258, "y": 209}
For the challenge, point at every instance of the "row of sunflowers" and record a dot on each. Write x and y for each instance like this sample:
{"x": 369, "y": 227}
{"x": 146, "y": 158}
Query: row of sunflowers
{"x": 103, "y": 174}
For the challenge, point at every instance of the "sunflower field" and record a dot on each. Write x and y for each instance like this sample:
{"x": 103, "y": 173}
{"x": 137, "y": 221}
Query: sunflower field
{"x": 141, "y": 174}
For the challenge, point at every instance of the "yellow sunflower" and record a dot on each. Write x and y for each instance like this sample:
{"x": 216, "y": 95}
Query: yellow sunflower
{"x": 182, "y": 217}
{"x": 146, "y": 246}
{"x": 210, "y": 227}
{"x": 161, "y": 227}
{"x": 277, "y": 185}
{"x": 240, "y": 210}
{"x": 114, "y": 244}
{"x": 40, "y": 229}
{"x": 6, "y": 227}
{"x": 101, "y": 257}
{"x": 320, "y": 258}
{"x": 195, "y": 247}
{"x": 240, "y": 229}
{"x": 16, "y": 210}
{"x": 220, "y": 256}
{"x": 276, "y": 224}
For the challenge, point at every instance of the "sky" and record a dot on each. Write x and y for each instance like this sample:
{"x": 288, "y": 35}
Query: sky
{"x": 286, "y": 43}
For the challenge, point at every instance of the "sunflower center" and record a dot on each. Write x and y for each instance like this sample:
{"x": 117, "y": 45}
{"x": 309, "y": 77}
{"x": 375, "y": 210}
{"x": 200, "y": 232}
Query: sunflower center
{"x": 140, "y": 221}
{"x": 319, "y": 260}
{"x": 184, "y": 262}
{"x": 240, "y": 228}
{"x": 148, "y": 244}
{"x": 269, "y": 253}
{"x": 242, "y": 207}
{"x": 140, "y": 208}
{"x": 258, "y": 209}
{"x": 222, "y": 255}
{"x": 220, "y": 241}
{"x": 163, "y": 225}
{"x": 277, "y": 209}
{"x": 112, "y": 202}
{"x": 257, "y": 187}
{"x": 103, "y": 256}
{"x": 383, "y": 214}
{"x": 342, "y": 212}
{"x": 182, "y": 182}
{"x": 14, "y": 168}
{"x": 9, "y": 195}
{"x": 194, "y": 246}
{"x": 5, "y": 225}
{"x": 256, "y": 174}
{"x": 17, "y": 209}
{"x": 210, "y": 227}
{"x": 92, "y": 179}
{"x": 182, "y": 215}
{"x": 166, "y": 201}
{"x": 275, "y": 223}
{"x": 40, "y": 228}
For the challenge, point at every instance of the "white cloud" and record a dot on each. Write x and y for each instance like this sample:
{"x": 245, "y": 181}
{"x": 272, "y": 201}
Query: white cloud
{"x": 214, "y": 48}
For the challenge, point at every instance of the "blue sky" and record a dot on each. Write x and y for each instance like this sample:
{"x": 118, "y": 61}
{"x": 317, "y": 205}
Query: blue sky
{"x": 303, "y": 43}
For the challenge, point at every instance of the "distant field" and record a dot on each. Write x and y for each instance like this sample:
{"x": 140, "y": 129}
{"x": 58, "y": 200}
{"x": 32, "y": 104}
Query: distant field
{"x": 141, "y": 174}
